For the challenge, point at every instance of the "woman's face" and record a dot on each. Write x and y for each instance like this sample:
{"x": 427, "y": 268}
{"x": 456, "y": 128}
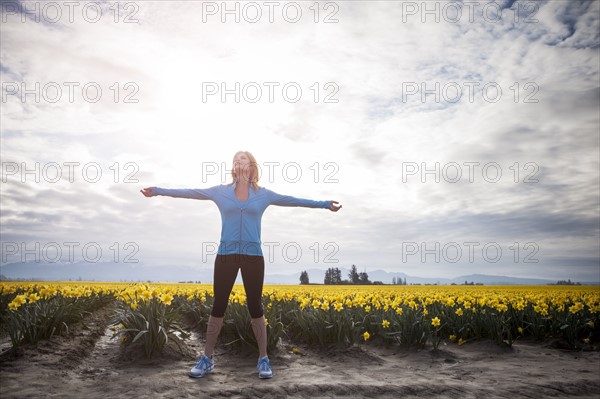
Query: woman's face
{"x": 241, "y": 164}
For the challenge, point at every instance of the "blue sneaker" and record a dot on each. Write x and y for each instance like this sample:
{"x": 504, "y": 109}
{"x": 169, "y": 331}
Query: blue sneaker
{"x": 264, "y": 368}
{"x": 204, "y": 366}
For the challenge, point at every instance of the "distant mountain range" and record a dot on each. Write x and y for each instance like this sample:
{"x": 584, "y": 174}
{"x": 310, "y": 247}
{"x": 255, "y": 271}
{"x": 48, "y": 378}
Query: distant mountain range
{"x": 317, "y": 276}
{"x": 87, "y": 271}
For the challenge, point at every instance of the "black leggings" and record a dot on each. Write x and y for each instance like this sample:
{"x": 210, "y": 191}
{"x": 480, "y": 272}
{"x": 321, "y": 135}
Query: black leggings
{"x": 253, "y": 273}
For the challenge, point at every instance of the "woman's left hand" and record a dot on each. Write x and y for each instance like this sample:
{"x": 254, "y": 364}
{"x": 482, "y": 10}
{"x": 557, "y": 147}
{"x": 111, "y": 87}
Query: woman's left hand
{"x": 334, "y": 208}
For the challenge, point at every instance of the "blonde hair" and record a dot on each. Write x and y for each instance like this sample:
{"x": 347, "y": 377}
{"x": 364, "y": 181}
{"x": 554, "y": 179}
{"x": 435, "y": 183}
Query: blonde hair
{"x": 254, "y": 170}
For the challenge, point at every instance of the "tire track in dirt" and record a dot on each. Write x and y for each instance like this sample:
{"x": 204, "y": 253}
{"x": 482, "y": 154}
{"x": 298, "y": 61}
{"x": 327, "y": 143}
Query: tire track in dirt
{"x": 52, "y": 358}
{"x": 122, "y": 369}
{"x": 577, "y": 389}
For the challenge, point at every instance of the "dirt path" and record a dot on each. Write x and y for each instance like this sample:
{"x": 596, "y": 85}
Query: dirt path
{"x": 90, "y": 365}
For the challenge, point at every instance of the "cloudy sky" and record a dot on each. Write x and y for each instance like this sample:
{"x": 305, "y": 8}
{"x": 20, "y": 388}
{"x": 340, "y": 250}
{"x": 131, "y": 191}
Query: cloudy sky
{"x": 462, "y": 132}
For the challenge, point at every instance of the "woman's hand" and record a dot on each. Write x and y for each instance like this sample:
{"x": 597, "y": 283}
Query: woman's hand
{"x": 334, "y": 208}
{"x": 147, "y": 192}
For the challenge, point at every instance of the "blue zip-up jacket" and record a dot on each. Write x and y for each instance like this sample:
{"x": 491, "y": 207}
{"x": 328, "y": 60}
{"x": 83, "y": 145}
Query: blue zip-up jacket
{"x": 240, "y": 220}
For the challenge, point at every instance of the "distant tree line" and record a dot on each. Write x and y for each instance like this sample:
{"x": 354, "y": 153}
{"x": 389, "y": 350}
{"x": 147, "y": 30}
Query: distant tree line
{"x": 467, "y": 283}
{"x": 567, "y": 282}
{"x": 333, "y": 276}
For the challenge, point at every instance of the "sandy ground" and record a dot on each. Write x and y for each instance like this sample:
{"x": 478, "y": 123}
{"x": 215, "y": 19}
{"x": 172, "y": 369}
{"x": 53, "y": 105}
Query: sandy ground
{"x": 87, "y": 364}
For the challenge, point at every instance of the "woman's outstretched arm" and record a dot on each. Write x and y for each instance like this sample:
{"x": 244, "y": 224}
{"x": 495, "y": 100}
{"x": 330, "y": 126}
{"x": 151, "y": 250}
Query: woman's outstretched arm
{"x": 196, "y": 193}
{"x": 288, "y": 200}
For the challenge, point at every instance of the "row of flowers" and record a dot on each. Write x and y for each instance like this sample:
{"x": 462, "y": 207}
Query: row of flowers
{"x": 154, "y": 315}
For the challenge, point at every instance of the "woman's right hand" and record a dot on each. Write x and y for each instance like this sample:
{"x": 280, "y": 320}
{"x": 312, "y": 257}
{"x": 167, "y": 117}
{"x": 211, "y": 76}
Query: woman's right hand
{"x": 147, "y": 192}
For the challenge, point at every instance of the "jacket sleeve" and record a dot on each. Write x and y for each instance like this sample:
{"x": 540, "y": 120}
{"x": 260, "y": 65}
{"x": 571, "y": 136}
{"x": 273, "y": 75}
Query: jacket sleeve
{"x": 288, "y": 200}
{"x": 192, "y": 193}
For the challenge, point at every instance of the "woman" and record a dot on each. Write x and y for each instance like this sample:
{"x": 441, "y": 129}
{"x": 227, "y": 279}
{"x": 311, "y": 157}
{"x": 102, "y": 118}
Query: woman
{"x": 242, "y": 204}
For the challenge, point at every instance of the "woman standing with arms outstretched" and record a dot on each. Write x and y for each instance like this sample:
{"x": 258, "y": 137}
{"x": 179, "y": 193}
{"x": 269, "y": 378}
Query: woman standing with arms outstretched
{"x": 241, "y": 204}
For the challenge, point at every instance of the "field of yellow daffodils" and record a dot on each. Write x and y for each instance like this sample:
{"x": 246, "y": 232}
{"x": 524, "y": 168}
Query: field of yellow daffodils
{"x": 155, "y": 314}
